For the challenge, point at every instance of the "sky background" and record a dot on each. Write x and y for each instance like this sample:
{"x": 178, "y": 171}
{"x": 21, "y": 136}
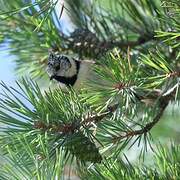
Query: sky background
{"x": 7, "y": 67}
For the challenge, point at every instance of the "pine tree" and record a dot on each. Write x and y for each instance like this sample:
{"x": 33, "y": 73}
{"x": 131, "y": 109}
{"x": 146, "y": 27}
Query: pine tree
{"x": 136, "y": 48}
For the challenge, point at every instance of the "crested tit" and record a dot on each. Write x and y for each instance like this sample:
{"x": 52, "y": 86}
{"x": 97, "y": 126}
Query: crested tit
{"x": 67, "y": 71}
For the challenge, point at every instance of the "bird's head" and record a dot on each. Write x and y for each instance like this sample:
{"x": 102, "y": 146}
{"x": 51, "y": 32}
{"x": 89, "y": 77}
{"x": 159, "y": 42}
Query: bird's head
{"x": 58, "y": 65}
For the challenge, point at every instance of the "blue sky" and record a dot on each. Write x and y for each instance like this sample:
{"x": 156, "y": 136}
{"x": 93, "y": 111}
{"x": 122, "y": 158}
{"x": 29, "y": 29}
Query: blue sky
{"x": 7, "y": 73}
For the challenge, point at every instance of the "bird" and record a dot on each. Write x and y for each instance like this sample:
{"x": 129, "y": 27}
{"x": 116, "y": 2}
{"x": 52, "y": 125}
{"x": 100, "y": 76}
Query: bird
{"x": 68, "y": 71}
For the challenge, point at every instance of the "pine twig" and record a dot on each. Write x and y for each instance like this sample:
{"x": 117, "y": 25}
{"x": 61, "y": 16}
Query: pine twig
{"x": 164, "y": 101}
{"x": 141, "y": 40}
{"x": 98, "y": 117}
{"x": 71, "y": 127}
{"x": 55, "y": 128}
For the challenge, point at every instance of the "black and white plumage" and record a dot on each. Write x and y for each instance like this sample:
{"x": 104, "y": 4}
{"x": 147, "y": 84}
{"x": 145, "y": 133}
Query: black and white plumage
{"x": 66, "y": 70}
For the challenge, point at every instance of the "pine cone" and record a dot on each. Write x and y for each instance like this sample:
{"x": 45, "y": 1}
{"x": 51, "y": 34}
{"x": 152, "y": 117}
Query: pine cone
{"x": 83, "y": 148}
{"x": 85, "y": 43}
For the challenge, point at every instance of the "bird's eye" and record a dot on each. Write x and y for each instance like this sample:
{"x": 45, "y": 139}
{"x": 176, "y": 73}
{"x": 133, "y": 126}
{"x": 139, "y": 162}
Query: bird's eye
{"x": 57, "y": 68}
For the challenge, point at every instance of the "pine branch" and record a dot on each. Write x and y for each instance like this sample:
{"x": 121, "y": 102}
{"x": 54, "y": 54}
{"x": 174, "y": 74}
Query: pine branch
{"x": 163, "y": 103}
{"x": 98, "y": 117}
{"x": 48, "y": 116}
{"x": 140, "y": 41}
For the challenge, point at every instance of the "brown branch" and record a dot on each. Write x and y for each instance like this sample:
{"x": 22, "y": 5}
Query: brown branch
{"x": 173, "y": 74}
{"x": 121, "y": 44}
{"x": 164, "y": 101}
{"x": 120, "y": 85}
{"x": 87, "y": 121}
{"x": 55, "y": 128}
{"x": 71, "y": 127}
